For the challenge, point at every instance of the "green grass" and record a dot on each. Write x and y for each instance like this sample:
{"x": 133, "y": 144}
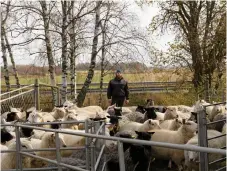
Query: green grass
{"x": 81, "y": 76}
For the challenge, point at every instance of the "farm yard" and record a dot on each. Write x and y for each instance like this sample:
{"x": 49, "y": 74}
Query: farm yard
{"x": 113, "y": 85}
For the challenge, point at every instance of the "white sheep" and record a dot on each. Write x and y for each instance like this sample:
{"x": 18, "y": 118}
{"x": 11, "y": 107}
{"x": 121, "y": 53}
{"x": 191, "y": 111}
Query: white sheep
{"x": 217, "y": 109}
{"x": 48, "y": 141}
{"x": 184, "y": 115}
{"x": 67, "y": 104}
{"x": 70, "y": 117}
{"x": 172, "y": 124}
{"x": 149, "y": 124}
{"x": 37, "y": 117}
{"x": 8, "y": 160}
{"x": 192, "y": 157}
{"x": 171, "y": 113}
{"x": 124, "y": 110}
{"x": 185, "y": 109}
{"x": 181, "y": 136}
{"x": 92, "y": 109}
{"x": 3, "y": 147}
{"x": 58, "y": 112}
{"x": 37, "y": 134}
{"x": 208, "y": 109}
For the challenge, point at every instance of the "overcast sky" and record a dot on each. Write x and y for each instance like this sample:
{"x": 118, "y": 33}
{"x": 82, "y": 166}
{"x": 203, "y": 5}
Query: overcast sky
{"x": 145, "y": 15}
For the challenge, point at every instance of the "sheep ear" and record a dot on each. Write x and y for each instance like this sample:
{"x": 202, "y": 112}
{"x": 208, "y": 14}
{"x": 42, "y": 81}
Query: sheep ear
{"x": 183, "y": 121}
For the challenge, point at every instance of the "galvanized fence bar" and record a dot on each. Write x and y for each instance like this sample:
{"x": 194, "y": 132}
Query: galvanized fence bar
{"x": 221, "y": 120}
{"x": 216, "y": 137}
{"x": 121, "y": 156}
{"x": 58, "y": 154}
{"x": 104, "y": 142}
{"x": 46, "y": 123}
{"x": 202, "y": 138}
{"x": 99, "y": 157}
{"x": 18, "y": 150}
{"x": 92, "y": 146}
{"x": 221, "y": 169}
{"x": 134, "y": 141}
{"x": 87, "y": 146}
{"x": 12, "y": 97}
{"x": 16, "y": 90}
{"x": 216, "y": 161}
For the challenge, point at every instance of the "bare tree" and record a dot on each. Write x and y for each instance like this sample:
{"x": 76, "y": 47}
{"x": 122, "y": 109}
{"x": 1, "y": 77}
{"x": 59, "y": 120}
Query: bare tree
{"x": 3, "y": 47}
{"x": 198, "y": 25}
{"x": 82, "y": 94}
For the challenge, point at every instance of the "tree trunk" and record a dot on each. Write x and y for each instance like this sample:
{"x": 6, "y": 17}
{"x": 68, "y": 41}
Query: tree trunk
{"x": 4, "y": 57}
{"x": 64, "y": 51}
{"x": 12, "y": 60}
{"x": 102, "y": 66}
{"x": 72, "y": 53}
{"x": 90, "y": 75}
{"x": 50, "y": 58}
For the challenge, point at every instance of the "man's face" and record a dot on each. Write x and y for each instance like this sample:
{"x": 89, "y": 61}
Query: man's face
{"x": 118, "y": 74}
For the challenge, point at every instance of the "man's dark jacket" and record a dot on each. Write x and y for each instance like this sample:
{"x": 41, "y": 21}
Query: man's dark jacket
{"x": 118, "y": 88}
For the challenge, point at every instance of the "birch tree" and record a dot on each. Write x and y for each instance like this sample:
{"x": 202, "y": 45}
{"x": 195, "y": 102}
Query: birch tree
{"x": 3, "y": 47}
{"x": 82, "y": 94}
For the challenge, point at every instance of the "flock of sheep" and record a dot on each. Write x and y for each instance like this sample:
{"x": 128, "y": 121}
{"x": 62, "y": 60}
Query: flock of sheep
{"x": 172, "y": 124}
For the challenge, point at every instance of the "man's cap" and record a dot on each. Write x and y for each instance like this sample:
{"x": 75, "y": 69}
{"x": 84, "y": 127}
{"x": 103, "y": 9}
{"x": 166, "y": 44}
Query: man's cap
{"x": 118, "y": 71}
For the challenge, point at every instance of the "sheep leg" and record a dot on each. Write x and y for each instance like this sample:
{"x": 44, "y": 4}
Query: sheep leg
{"x": 170, "y": 164}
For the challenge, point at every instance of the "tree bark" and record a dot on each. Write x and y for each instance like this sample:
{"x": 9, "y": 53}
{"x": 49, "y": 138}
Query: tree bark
{"x": 72, "y": 53}
{"x": 12, "y": 60}
{"x": 82, "y": 94}
{"x": 64, "y": 50}
{"x": 50, "y": 57}
{"x": 102, "y": 66}
{"x": 4, "y": 57}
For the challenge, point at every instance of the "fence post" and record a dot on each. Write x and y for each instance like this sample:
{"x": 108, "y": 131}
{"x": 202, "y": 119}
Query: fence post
{"x": 202, "y": 137}
{"x": 121, "y": 156}
{"x": 37, "y": 95}
{"x": 58, "y": 154}
{"x": 18, "y": 148}
{"x": 87, "y": 146}
{"x": 104, "y": 142}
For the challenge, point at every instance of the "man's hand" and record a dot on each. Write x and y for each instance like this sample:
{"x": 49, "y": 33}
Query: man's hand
{"x": 126, "y": 101}
{"x": 110, "y": 101}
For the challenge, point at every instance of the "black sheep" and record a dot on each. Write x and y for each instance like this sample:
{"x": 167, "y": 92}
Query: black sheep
{"x": 5, "y": 136}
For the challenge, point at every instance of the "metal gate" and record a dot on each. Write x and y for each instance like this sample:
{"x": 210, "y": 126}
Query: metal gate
{"x": 203, "y": 138}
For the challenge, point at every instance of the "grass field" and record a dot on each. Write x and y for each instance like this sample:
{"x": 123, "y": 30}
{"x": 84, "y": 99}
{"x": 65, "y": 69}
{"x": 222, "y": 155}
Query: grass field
{"x": 130, "y": 77}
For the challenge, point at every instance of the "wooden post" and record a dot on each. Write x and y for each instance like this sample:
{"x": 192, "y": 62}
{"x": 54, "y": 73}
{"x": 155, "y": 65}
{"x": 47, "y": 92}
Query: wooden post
{"x": 37, "y": 95}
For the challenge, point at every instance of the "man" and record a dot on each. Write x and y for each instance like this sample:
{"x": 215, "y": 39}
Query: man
{"x": 118, "y": 92}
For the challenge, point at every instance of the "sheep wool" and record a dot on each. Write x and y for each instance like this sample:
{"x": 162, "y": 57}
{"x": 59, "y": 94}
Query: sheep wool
{"x": 8, "y": 160}
{"x": 191, "y": 157}
{"x": 172, "y": 124}
{"x": 181, "y": 136}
